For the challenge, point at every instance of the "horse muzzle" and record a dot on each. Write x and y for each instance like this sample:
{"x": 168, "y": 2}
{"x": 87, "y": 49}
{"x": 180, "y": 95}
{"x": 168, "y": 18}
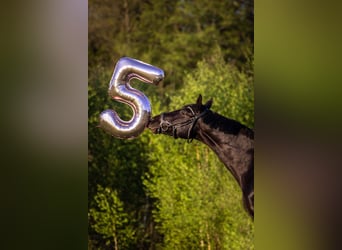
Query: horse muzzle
{"x": 153, "y": 125}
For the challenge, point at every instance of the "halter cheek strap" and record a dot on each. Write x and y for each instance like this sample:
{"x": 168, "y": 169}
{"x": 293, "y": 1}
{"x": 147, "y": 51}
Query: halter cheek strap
{"x": 195, "y": 119}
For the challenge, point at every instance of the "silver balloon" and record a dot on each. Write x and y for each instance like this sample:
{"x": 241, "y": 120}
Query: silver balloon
{"x": 121, "y": 90}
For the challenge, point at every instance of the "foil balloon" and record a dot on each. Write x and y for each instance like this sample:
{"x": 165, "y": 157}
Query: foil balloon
{"x": 120, "y": 90}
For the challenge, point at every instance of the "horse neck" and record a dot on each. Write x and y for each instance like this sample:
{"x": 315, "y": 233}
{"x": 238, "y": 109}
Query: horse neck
{"x": 231, "y": 141}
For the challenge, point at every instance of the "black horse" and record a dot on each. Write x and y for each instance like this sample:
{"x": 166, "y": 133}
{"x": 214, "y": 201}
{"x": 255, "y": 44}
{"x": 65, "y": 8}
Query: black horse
{"x": 231, "y": 141}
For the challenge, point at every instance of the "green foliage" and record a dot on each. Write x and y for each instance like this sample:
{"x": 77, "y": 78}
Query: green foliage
{"x": 177, "y": 34}
{"x": 110, "y": 220}
{"x": 199, "y": 203}
{"x": 116, "y": 164}
{"x": 174, "y": 34}
{"x": 231, "y": 90}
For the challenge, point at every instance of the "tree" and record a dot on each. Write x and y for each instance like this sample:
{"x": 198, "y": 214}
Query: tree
{"x": 178, "y": 34}
{"x": 110, "y": 220}
{"x": 118, "y": 165}
{"x": 174, "y": 35}
{"x": 110, "y": 25}
{"x": 231, "y": 89}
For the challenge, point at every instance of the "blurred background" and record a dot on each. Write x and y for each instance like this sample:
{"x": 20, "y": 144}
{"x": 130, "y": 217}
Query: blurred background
{"x": 44, "y": 95}
{"x": 298, "y": 100}
{"x": 44, "y": 117}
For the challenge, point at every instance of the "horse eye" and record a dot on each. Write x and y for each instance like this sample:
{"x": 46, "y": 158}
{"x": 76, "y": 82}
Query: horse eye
{"x": 190, "y": 111}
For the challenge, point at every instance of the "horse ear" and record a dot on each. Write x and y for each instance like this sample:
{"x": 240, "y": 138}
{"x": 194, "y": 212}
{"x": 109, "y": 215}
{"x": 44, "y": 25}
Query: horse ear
{"x": 209, "y": 103}
{"x": 199, "y": 100}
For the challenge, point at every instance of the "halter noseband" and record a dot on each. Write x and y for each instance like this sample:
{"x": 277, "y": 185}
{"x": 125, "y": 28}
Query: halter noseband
{"x": 165, "y": 125}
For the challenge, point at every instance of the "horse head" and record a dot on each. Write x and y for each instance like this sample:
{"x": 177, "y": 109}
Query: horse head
{"x": 180, "y": 123}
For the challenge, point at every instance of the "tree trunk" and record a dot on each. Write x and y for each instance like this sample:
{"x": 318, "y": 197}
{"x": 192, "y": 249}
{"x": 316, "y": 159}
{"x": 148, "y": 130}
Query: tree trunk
{"x": 116, "y": 247}
{"x": 127, "y": 26}
{"x": 208, "y": 237}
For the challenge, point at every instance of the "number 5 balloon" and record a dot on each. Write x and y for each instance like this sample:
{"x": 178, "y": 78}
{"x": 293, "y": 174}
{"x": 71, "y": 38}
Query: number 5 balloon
{"x": 121, "y": 90}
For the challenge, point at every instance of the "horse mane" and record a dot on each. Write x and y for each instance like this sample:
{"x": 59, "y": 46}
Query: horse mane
{"x": 226, "y": 125}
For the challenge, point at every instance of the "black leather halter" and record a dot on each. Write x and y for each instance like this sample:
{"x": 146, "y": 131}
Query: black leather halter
{"x": 165, "y": 125}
